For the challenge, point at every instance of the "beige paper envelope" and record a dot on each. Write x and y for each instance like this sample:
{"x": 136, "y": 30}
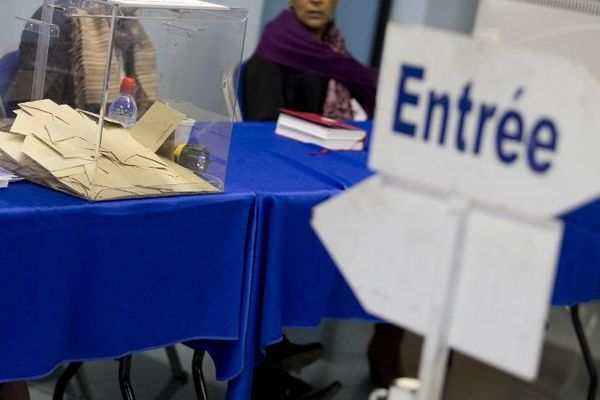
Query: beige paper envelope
{"x": 17, "y": 127}
{"x": 148, "y": 177}
{"x": 107, "y": 174}
{"x": 59, "y": 132}
{"x": 192, "y": 179}
{"x": 95, "y": 118}
{"x": 114, "y": 194}
{"x": 74, "y": 118}
{"x": 47, "y": 157}
{"x": 120, "y": 143}
{"x": 45, "y": 105}
{"x": 43, "y": 110}
{"x": 80, "y": 142}
{"x": 60, "y": 113}
{"x": 11, "y": 143}
{"x": 83, "y": 180}
{"x": 129, "y": 151}
{"x": 93, "y": 191}
{"x": 164, "y": 180}
{"x": 156, "y": 125}
{"x": 143, "y": 161}
{"x": 46, "y": 112}
{"x": 64, "y": 148}
{"x": 65, "y": 172}
{"x": 191, "y": 188}
{"x": 75, "y": 186}
{"x": 26, "y": 124}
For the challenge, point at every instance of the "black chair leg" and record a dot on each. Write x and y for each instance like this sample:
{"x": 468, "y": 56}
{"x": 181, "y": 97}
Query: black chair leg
{"x": 64, "y": 379}
{"x": 198, "y": 374}
{"x": 125, "y": 378}
{"x": 177, "y": 371}
{"x": 447, "y": 380}
{"x": 585, "y": 350}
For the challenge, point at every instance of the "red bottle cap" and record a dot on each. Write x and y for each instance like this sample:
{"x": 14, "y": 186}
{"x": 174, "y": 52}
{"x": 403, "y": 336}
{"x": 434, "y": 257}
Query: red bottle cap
{"x": 128, "y": 86}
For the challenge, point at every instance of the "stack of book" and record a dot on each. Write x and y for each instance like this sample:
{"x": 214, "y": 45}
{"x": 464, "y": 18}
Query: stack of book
{"x": 325, "y": 132}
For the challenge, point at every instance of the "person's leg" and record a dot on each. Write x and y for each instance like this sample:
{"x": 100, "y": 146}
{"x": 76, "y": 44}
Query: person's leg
{"x": 15, "y": 391}
{"x": 271, "y": 383}
{"x": 272, "y": 379}
{"x": 292, "y": 357}
{"x": 384, "y": 352}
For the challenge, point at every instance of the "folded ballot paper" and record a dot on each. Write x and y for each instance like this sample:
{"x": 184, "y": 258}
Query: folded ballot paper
{"x": 56, "y": 145}
{"x": 312, "y": 128}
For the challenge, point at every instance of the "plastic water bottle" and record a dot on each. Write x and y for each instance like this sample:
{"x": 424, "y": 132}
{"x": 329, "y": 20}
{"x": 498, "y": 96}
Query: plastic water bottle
{"x": 123, "y": 109}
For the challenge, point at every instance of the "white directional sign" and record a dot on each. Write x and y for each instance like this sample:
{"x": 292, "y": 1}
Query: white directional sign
{"x": 504, "y": 125}
{"x": 479, "y": 146}
{"x": 397, "y": 254}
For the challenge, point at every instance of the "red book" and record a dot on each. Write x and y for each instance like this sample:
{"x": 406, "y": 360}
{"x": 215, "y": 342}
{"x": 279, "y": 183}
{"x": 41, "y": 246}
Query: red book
{"x": 313, "y": 128}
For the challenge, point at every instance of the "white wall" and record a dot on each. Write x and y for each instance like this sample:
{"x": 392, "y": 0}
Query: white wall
{"x": 456, "y": 15}
{"x": 410, "y": 11}
{"x": 254, "y": 21}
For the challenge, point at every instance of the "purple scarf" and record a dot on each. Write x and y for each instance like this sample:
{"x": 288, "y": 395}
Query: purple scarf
{"x": 287, "y": 42}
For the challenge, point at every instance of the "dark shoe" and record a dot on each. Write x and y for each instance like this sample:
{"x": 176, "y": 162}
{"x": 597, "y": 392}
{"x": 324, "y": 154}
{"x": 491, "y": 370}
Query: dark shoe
{"x": 289, "y": 356}
{"x": 273, "y": 384}
{"x": 270, "y": 383}
{"x": 327, "y": 393}
{"x": 385, "y": 359}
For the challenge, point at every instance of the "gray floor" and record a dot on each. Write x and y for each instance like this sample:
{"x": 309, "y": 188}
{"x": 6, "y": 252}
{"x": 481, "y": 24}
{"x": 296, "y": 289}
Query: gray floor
{"x": 562, "y": 374}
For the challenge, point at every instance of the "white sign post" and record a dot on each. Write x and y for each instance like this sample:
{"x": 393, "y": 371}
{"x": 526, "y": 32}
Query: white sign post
{"x": 479, "y": 147}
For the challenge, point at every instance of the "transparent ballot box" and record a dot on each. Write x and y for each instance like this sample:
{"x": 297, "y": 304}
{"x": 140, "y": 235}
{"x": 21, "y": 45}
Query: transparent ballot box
{"x": 111, "y": 99}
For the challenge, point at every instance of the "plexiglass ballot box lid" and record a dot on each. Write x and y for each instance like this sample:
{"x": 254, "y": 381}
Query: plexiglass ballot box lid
{"x": 62, "y": 67}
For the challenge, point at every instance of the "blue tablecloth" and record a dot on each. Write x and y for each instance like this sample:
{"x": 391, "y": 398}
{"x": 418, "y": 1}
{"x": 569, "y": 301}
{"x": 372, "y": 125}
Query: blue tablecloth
{"x": 299, "y": 282}
{"x": 81, "y": 281}
{"x": 84, "y": 281}
{"x": 295, "y": 283}
{"x": 578, "y": 276}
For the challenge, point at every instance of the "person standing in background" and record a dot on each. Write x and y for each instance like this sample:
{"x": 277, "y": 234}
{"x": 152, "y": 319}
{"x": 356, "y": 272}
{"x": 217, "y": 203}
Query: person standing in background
{"x": 77, "y": 59}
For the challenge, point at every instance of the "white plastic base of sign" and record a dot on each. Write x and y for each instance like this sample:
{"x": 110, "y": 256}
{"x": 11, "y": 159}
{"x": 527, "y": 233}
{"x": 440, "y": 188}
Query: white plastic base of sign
{"x": 504, "y": 290}
{"x": 395, "y": 247}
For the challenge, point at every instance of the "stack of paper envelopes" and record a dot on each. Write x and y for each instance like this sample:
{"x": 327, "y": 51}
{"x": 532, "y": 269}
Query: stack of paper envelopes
{"x": 56, "y": 145}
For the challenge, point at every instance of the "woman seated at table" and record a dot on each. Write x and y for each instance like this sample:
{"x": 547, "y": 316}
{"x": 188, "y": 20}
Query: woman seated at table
{"x": 301, "y": 63}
